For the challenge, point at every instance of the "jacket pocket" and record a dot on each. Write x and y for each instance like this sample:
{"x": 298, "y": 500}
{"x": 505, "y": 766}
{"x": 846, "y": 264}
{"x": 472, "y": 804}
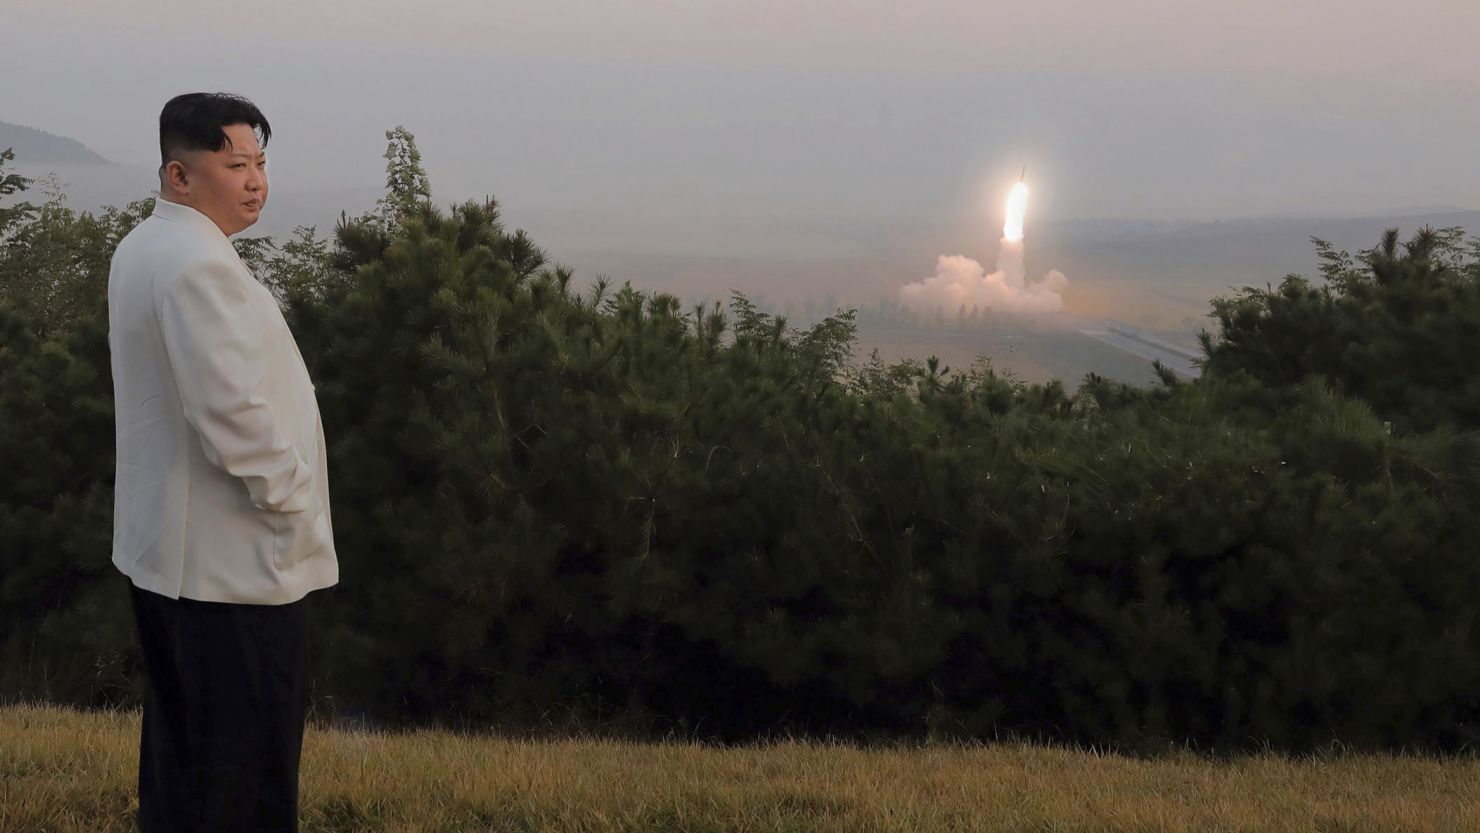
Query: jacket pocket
{"x": 301, "y": 535}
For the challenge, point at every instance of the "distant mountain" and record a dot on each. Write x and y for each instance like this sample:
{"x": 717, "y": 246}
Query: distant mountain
{"x": 37, "y": 147}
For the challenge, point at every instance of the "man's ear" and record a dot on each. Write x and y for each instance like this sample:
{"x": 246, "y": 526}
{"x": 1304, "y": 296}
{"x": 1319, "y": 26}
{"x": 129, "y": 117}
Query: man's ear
{"x": 174, "y": 176}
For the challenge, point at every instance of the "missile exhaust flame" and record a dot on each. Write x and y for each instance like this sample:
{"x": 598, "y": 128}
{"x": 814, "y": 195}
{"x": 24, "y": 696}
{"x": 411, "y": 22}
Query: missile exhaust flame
{"x": 1017, "y": 210}
{"x": 961, "y": 283}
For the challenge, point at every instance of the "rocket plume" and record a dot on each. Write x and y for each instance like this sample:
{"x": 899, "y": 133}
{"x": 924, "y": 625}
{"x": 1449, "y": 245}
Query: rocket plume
{"x": 960, "y": 281}
{"x": 1017, "y": 209}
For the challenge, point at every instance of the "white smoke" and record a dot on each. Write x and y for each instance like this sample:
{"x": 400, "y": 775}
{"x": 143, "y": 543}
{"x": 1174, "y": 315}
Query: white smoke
{"x": 960, "y": 281}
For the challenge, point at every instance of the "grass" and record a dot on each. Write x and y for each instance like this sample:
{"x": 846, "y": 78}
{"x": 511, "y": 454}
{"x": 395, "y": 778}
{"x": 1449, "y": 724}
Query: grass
{"x": 63, "y": 770}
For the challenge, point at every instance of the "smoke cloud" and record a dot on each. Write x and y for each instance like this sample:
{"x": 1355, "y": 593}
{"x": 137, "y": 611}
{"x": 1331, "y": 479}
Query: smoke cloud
{"x": 962, "y": 281}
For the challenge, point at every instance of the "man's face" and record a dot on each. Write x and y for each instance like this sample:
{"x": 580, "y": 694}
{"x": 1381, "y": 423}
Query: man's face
{"x": 229, "y": 185}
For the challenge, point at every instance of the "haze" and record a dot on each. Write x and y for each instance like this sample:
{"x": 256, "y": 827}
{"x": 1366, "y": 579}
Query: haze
{"x": 865, "y": 131}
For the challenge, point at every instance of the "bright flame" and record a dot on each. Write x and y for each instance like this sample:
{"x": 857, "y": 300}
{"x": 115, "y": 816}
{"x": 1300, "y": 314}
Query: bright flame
{"x": 1017, "y": 207}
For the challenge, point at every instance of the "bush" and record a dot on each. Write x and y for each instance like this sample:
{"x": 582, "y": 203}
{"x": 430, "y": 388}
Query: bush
{"x": 602, "y": 504}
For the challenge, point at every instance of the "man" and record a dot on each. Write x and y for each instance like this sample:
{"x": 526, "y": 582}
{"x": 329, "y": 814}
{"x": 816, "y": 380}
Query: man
{"x": 221, "y": 501}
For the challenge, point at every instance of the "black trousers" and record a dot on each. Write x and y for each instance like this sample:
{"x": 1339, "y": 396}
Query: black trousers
{"x": 224, "y": 703}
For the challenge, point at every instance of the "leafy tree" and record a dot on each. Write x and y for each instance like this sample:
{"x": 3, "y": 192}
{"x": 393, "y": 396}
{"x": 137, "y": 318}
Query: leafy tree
{"x": 54, "y": 262}
{"x": 12, "y": 183}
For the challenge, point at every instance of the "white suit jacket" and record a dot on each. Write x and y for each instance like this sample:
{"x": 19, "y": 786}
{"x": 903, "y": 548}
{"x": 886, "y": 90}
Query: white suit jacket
{"x": 222, "y": 490}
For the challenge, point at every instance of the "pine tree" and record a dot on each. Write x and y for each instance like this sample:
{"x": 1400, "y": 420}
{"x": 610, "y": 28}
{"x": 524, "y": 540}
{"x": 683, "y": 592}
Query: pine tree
{"x": 65, "y": 634}
{"x": 599, "y": 502}
{"x": 407, "y": 188}
{"x": 1392, "y": 331}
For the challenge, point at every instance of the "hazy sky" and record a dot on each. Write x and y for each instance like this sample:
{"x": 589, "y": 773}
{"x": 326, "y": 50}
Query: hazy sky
{"x": 725, "y": 121}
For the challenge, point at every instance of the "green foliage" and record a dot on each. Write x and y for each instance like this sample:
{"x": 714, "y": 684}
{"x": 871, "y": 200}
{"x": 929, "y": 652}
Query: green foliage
{"x": 1396, "y": 332}
{"x": 58, "y": 590}
{"x": 12, "y": 183}
{"x": 407, "y": 189}
{"x": 548, "y": 499}
{"x": 299, "y": 270}
{"x": 54, "y": 263}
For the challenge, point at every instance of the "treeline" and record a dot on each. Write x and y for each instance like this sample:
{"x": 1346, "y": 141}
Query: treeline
{"x": 601, "y": 505}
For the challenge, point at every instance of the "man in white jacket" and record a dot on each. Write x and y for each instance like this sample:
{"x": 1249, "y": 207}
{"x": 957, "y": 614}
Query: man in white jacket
{"x": 221, "y": 500}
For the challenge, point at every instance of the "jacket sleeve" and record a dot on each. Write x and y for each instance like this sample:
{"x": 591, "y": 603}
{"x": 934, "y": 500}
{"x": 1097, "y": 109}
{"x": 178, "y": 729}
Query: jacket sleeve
{"x": 216, "y": 351}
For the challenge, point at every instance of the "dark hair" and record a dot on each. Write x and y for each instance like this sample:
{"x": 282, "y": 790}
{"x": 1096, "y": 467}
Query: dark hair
{"x": 194, "y": 121}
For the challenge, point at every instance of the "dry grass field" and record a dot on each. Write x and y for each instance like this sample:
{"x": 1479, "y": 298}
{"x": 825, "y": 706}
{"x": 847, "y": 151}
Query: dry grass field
{"x": 63, "y": 771}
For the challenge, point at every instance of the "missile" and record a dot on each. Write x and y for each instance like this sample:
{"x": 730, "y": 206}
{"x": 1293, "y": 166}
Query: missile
{"x": 1024, "y": 174}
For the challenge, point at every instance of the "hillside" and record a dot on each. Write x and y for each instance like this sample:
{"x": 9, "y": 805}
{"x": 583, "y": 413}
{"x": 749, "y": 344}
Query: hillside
{"x": 37, "y": 147}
